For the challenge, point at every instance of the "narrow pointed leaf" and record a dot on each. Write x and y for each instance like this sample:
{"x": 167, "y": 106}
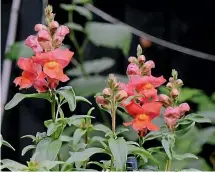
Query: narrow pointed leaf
{"x": 27, "y": 148}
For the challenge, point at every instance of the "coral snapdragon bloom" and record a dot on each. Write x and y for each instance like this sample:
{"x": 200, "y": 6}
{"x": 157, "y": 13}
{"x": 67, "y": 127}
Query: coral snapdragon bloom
{"x": 53, "y": 63}
{"x": 143, "y": 115}
{"x": 144, "y": 86}
{"x": 32, "y": 75}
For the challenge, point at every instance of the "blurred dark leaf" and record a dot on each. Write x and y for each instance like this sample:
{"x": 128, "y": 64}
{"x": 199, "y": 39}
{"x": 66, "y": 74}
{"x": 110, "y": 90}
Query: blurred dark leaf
{"x": 93, "y": 66}
{"x": 17, "y": 50}
{"x": 75, "y": 26}
{"x": 109, "y": 35}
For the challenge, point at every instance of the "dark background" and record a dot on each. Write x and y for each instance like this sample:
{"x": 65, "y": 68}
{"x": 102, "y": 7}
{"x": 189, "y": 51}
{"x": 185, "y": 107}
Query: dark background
{"x": 190, "y": 24}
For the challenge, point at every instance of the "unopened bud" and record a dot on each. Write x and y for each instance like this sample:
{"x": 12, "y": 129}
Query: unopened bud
{"x": 139, "y": 50}
{"x": 148, "y": 65}
{"x": 171, "y": 79}
{"x": 141, "y": 58}
{"x": 121, "y": 95}
{"x": 179, "y": 82}
{"x": 184, "y": 107}
{"x": 133, "y": 60}
{"x": 133, "y": 69}
{"x": 54, "y": 25}
{"x": 174, "y": 74}
{"x": 164, "y": 99}
{"x": 174, "y": 92}
{"x": 169, "y": 85}
{"x": 107, "y": 92}
{"x": 112, "y": 82}
{"x": 39, "y": 27}
{"x": 100, "y": 100}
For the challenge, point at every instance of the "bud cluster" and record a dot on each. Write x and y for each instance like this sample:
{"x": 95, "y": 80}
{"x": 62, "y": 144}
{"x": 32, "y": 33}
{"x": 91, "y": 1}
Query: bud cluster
{"x": 173, "y": 112}
{"x": 139, "y": 65}
{"x": 111, "y": 93}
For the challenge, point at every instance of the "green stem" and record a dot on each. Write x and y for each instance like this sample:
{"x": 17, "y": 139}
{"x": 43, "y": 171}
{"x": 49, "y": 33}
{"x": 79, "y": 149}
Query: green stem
{"x": 53, "y": 104}
{"x": 168, "y": 165}
{"x": 59, "y": 159}
{"x": 86, "y": 137}
{"x": 113, "y": 114}
{"x": 111, "y": 164}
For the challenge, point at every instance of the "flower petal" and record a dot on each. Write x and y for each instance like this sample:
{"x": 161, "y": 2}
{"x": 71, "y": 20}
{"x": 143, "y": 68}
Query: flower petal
{"x": 152, "y": 109}
{"x": 134, "y": 109}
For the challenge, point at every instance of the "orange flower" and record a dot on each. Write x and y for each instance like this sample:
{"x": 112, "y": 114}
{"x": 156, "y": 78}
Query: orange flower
{"x": 32, "y": 75}
{"x": 144, "y": 86}
{"x": 53, "y": 63}
{"x": 143, "y": 115}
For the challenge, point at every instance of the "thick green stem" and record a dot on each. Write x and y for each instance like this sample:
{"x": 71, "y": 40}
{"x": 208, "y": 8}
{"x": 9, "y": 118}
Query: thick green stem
{"x": 53, "y": 104}
{"x": 113, "y": 114}
{"x": 168, "y": 165}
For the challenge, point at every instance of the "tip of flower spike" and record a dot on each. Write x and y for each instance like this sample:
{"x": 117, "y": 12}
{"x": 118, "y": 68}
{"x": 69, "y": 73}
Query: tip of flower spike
{"x": 139, "y": 50}
{"x": 49, "y": 14}
{"x": 174, "y": 74}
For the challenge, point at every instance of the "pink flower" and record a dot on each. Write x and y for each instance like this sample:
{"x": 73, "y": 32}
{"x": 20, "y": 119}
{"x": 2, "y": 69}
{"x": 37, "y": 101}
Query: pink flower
{"x": 148, "y": 66}
{"x": 54, "y": 25}
{"x": 45, "y": 40}
{"x": 39, "y": 27}
{"x": 184, "y": 107}
{"x": 141, "y": 58}
{"x": 174, "y": 92}
{"x": 172, "y": 112}
{"x": 133, "y": 69}
{"x": 32, "y": 42}
{"x": 59, "y": 35}
{"x": 164, "y": 99}
{"x": 100, "y": 100}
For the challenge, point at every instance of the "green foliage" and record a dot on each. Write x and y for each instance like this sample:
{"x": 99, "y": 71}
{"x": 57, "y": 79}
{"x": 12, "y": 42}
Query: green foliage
{"x": 69, "y": 95}
{"x": 27, "y": 148}
{"x": 75, "y": 26}
{"x": 5, "y": 143}
{"x": 88, "y": 86}
{"x": 47, "y": 149}
{"x": 12, "y": 165}
{"x": 17, "y": 50}
{"x": 109, "y": 35}
{"x": 93, "y": 66}
{"x": 19, "y": 97}
{"x": 119, "y": 150}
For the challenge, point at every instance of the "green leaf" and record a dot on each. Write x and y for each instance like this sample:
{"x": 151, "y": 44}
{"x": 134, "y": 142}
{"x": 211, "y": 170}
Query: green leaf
{"x": 121, "y": 129}
{"x": 93, "y": 66}
{"x": 29, "y": 136}
{"x": 77, "y": 135}
{"x": 119, "y": 150}
{"x": 75, "y": 26}
{"x": 103, "y": 128}
{"x": 52, "y": 128}
{"x": 12, "y": 165}
{"x": 80, "y": 98}
{"x": 65, "y": 138}
{"x": 88, "y": 86}
{"x": 68, "y": 93}
{"x": 17, "y": 50}
{"x": 166, "y": 143}
{"x": 67, "y": 7}
{"x": 96, "y": 163}
{"x": 84, "y": 155}
{"x": 47, "y": 149}
{"x": 5, "y": 143}
{"x": 77, "y": 119}
{"x": 81, "y": 1}
{"x": 184, "y": 156}
{"x": 19, "y": 97}
{"x": 109, "y": 35}
{"x": 152, "y": 135}
{"x": 142, "y": 152}
{"x": 198, "y": 118}
{"x": 50, "y": 164}
{"x": 84, "y": 12}
{"x": 209, "y": 114}
{"x": 27, "y": 148}
{"x": 185, "y": 129}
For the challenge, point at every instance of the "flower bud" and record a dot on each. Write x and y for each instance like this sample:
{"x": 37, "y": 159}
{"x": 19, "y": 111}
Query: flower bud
{"x": 179, "y": 82}
{"x": 107, "y": 92}
{"x": 45, "y": 40}
{"x": 100, "y": 100}
{"x": 141, "y": 58}
{"x": 164, "y": 99}
{"x": 174, "y": 92}
{"x": 133, "y": 69}
{"x": 121, "y": 95}
{"x": 184, "y": 107}
{"x": 149, "y": 64}
{"x": 32, "y": 42}
{"x": 169, "y": 85}
{"x": 39, "y": 27}
{"x": 170, "y": 121}
{"x": 171, "y": 79}
{"x": 112, "y": 82}
{"x": 54, "y": 25}
{"x": 133, "y": 60}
